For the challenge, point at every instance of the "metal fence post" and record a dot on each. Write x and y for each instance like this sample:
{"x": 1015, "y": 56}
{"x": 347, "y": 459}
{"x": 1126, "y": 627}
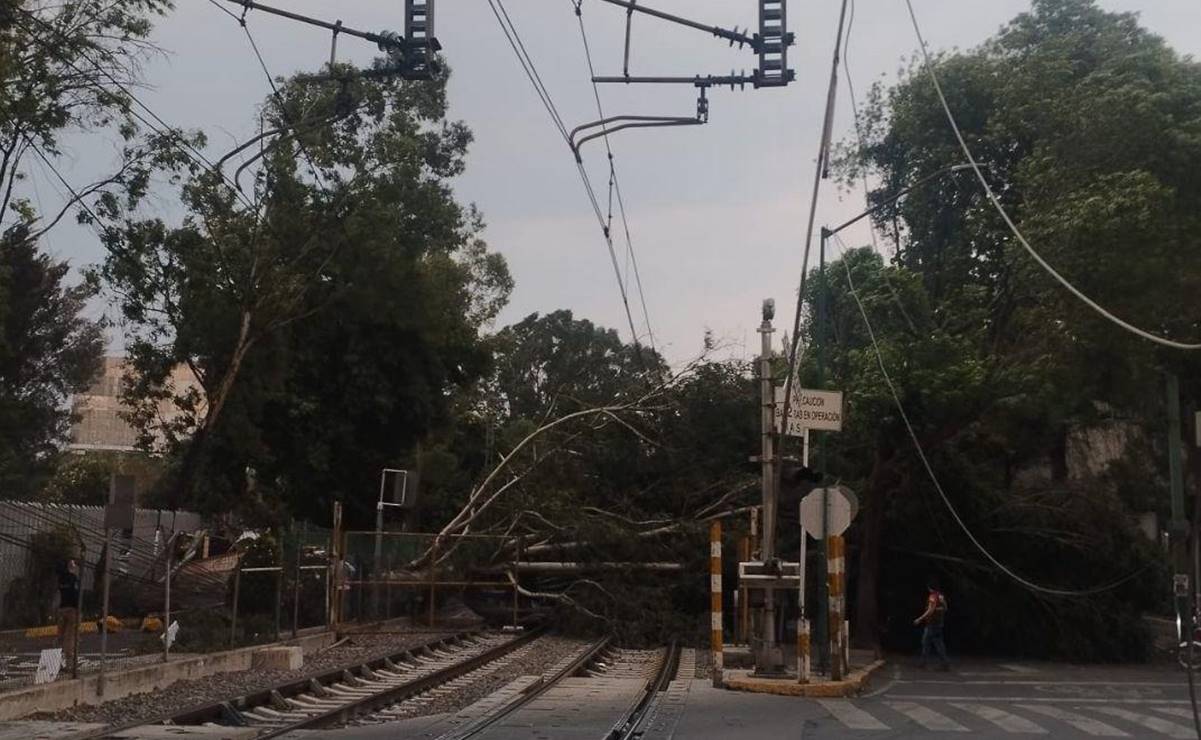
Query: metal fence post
{"x": 233, "y": 616}
{"x": 715, "y": 632}
{"x": 168, "y": 552}
{"x": 108, "y": 562}
{"x": 296, "y": 583}
{"x": 279, "y": 582}
{"x": 433, "y": 583}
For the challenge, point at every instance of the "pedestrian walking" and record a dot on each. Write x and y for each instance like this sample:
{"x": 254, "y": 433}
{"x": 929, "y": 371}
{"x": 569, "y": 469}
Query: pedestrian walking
{"x": 68, "y": 609}
{"x": 932, "y": 620}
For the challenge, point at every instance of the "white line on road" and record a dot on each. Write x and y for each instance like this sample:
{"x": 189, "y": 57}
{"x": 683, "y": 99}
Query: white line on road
{"x": 1157, "y": 684}
{"x": 1018, "y": 668}
{"x": 850, "y": 715}
{"x": 1040, "y": 699}
{"x": 926, "y": 717}
{"x": 1176, "y": 711}
{"x": 999, "y": 717}
{"x": 1171, "y": 729}
{"x": 1079, "y": 721}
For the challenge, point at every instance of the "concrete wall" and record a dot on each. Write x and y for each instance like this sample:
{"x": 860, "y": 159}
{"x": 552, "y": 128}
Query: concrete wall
{"x": 20, "y": 520}
{"x": 66, "y": 693}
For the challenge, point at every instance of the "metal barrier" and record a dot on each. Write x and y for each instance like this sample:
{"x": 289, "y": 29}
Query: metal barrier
{"x": 384, "y": 575}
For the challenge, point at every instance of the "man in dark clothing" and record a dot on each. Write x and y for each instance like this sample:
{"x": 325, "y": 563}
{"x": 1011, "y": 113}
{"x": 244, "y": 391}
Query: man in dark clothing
{"x": 68, "y": 610}
{"x": 932, "y": 619}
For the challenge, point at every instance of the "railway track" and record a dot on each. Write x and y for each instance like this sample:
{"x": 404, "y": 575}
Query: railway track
{"x": 599, "y": 678}
{"x": 336, "y": 697}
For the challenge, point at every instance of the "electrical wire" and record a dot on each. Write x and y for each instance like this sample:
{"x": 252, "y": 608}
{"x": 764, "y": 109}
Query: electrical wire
{"x": 170, "y": 134}
{"x": 1031, "y": 585}
{"x": 615, "y": 182}
{"x": 871, "y": 226}
{"x": 531, "y": 72}
{"x": 823, "y": 157}
{"x": 275, "y": 92}
{"x": 929, "y": 64}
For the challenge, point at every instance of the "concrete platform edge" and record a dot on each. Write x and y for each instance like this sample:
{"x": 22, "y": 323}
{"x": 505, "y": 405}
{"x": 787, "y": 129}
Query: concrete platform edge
{"x": 64, "y": 694}
{"x": 852, "y": 685}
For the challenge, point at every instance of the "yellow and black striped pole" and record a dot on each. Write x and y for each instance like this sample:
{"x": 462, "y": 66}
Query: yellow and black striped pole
{"x": 836, "y": 582}
{"x": 715, "y": 637}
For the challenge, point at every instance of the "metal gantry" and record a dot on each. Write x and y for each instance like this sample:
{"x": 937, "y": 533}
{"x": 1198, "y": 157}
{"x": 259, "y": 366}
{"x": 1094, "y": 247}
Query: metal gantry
{"x": 415, "y": 52}
{"x": 770, "y": 45}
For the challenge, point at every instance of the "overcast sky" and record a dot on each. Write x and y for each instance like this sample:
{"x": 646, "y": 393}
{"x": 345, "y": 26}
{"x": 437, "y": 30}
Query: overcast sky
{"x": 717, "y": 213}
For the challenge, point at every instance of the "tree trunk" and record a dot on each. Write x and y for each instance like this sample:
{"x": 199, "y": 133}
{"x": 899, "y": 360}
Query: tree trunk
{"x": 867, "y": 595}
{"x": 193, "y": 462}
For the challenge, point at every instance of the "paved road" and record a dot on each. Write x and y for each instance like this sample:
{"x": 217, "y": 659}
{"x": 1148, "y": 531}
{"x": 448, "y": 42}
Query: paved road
{"x": 988, "y": 700}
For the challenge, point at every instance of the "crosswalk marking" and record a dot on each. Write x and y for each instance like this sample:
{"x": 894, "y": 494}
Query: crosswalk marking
{"x": 926, "y": 717}
{"x": 1171, "y": 729}
{"x": 1176, "y": 711}
{"x": 999, "y": 717}
{"x": 1079, "y": 721}
{"x": 850, "y": 715}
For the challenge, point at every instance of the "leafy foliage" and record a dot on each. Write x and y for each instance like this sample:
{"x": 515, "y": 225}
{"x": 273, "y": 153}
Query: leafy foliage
{"x": 48, "y": 351}
{"x": 1005, "y": 376}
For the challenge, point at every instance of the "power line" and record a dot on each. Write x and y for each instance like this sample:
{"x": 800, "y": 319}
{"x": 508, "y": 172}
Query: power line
{"x": 170, "y": 134}
{"x": 615, "y": 183}
{"x": 917, "y": 445}
{"x": 274, "y": 89}
{"x": 929, "y": 64}
{"x": 531, "y": 71}
{"x": 823, "y": 157}
{"x": 871, "y": 228}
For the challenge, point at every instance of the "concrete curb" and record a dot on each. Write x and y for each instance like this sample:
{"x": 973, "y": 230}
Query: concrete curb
{"x": 852, "y": 685}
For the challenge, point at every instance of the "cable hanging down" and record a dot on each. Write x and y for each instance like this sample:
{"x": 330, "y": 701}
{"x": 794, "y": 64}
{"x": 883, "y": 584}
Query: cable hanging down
{"x": 967, "y": 152}
{"x": 921, "y": 453}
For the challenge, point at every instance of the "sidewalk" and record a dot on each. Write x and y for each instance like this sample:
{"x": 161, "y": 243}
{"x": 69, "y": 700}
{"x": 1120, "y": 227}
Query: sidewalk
{"x": 863, "y": 664}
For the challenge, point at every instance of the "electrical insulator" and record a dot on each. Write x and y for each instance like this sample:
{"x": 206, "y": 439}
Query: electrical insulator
{"x": 773, "y": 40}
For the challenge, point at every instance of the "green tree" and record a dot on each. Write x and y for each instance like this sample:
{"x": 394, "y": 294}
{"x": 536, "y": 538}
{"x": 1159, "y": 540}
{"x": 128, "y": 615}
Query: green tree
{"x": 48, "y": 351}
{"x": 66, "y": 66}
{"x": 327, "y": 320}
{"x": 1000, "y": 369}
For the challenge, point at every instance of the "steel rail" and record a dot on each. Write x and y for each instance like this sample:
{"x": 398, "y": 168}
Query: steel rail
{"x": 223, "y": 710}
{"x": 474, "y": 728}
{"x": 388, "y": 697}
{"x": 631, "y": 725}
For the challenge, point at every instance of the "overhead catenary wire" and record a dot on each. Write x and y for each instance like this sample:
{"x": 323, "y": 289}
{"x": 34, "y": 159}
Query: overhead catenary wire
{"x": 996, "y": 203}
{"x": 820, "y": 172}
{"x": 871, "y": 227}
{"x": 929, "y": 468}
{"x": 531, "y": 71}
{"x": 153, "y": 123}
{"x": 615, "y": 182}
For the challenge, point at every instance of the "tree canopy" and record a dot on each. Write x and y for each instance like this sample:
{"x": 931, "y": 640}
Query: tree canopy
{"x": 1087, "y": 125}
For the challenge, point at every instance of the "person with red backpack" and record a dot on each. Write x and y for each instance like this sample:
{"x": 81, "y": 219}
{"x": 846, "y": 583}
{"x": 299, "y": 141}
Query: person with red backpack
{"x": 932, "y": 619}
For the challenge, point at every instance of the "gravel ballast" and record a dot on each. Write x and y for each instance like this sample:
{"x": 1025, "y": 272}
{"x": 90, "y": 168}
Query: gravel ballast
{"x": 535, "y": 659}
{"x": 181, "y": 695}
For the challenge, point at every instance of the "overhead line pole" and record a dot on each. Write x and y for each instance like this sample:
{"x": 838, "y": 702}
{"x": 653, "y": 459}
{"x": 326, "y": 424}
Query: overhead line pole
{"x": 732, "y": 36}
{"x": 389, "y": 41}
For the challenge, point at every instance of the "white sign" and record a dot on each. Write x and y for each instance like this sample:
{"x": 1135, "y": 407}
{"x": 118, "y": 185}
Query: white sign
{"x": 841, "y": 507}
{"x": 49, "y": 665}
{"x": 170, "y": 634}
{"x": 810, "y": 409}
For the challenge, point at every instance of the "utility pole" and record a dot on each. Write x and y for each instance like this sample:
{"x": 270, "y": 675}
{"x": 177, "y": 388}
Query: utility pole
{"x": 769, "y": 658}
{"x": 823, "y": 592}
